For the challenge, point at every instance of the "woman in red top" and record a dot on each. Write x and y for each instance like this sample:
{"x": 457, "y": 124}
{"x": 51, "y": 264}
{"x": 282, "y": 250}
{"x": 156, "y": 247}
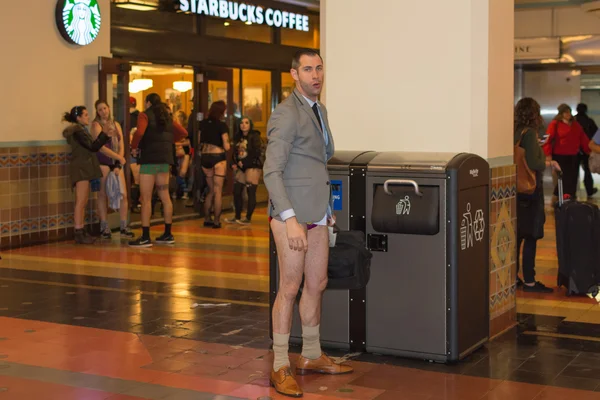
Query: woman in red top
{"x": 565, "y": 138}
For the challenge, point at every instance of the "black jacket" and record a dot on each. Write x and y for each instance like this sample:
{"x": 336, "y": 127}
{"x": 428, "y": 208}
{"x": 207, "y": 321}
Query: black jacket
{"x": 588, "y": 124}
{"x": 248, "y": 150}
{"x": 156, "y": 146}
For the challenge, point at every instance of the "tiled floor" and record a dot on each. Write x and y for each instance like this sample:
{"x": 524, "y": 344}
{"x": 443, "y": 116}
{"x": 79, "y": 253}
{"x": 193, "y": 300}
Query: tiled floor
{"x": 190, "y": 321}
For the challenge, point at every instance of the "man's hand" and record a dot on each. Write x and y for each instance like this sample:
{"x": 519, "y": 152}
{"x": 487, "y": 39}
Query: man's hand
{"x": 296, "y": 235}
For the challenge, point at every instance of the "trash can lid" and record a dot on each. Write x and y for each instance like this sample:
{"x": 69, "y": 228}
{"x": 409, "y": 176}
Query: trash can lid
{"x": 416, "y": 161}
{"x": 342, "y": 159}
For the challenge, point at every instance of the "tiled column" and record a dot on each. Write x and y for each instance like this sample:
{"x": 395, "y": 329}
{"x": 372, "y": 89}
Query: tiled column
{"x": 503, "y": 228}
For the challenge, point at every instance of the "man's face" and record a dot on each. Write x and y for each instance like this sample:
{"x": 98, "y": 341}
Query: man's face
{"x": 309, "y": 76}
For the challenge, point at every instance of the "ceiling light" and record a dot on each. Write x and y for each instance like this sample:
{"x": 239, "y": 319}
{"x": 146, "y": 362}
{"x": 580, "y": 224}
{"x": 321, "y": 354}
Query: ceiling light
{"x": 226, "y": 23}
{"x": 182, "y": 86}
{"x": 143, "y": 83}
{"x": 248, "y": 23}
{"x": 134, "y": 87}
{"x": 138, "y": 5}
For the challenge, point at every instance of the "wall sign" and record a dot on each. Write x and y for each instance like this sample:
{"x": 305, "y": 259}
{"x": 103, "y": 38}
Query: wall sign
{"x": 78, "y": 20}
{"x": 537, "y": 48}
{"x": 246, "y": 13}
{"x": 337, "y": 193}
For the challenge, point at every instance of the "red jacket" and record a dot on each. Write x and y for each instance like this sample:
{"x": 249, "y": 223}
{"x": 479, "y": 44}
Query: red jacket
{"x": 571, "y": 138}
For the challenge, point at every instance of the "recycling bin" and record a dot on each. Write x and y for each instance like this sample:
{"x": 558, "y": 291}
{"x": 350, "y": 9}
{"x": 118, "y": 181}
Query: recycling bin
{"x": 343, "y": 312}
{"x": 427, "y": 227}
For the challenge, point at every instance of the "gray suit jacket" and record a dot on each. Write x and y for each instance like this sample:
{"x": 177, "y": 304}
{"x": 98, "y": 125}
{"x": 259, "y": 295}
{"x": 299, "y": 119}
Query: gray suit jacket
{"x": 295, "y": 170}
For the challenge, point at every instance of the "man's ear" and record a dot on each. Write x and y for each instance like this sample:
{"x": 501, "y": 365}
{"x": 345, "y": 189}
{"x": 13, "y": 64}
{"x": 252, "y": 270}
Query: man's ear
{"x": 294, "y": 74}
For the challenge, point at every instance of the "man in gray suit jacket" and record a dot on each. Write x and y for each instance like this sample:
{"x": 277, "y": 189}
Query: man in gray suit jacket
{"x": 296, "y": 176}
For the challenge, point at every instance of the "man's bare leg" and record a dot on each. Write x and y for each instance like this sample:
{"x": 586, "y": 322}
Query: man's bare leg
{"x": 315, "y": 282}
{"x": 291, "y": 265}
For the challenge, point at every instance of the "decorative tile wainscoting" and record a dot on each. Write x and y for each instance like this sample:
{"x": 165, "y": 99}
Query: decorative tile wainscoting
{"x": 37, "y": 201}
{"x": 503, "y": 239}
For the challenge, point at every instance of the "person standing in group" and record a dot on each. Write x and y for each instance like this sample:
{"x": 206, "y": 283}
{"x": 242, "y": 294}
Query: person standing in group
{"x": 295, "y": 174}
{"x": 84, "y": 165}
{"x": 530, "y": 207}
{"x": 214, "y": 143}
{"x": 155, "y": 137}
{"x": 111, "y": 157}
{"x": 565, "y": 139}
{"x": 590, "y": 128}
{"x": 247, "y": 165}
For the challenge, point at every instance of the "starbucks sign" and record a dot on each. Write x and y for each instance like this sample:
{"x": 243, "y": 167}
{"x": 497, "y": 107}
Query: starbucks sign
{"x": 78, "y": 20}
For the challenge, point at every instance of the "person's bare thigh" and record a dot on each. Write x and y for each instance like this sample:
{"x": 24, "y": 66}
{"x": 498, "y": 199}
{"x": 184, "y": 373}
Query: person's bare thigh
{"x": 317, "y": 256}
{"x": 291, "y": 262}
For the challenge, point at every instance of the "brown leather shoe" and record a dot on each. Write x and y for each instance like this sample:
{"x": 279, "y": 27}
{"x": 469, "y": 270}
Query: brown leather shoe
{"x": 322, "y": 365}
{"x": 284, "y": 383}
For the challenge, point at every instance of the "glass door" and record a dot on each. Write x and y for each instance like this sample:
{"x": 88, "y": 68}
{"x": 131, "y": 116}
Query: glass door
{"x": 113, "y": 87}
{"x": 214, "y": 84}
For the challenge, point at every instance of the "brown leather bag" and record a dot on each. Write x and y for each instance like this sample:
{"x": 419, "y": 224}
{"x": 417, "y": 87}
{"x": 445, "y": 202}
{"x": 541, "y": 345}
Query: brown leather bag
{"x": 526, "y": 181}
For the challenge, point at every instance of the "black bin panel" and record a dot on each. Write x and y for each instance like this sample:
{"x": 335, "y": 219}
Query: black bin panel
{"x": 405, "y": 212}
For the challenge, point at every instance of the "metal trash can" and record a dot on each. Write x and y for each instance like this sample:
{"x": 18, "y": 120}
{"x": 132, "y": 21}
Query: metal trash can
{"x": 343, "y": 312}
{"x": 427, "y": 226}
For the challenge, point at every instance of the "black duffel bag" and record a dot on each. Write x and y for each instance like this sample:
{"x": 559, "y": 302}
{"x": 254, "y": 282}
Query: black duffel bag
{"x": 349, "y": 261}
{"x": 349, "y": 266}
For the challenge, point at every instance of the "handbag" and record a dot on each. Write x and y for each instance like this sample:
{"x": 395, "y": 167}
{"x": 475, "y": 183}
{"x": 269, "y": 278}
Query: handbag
{"x": 526, "y": 182}
{"x": 594, "y": 162}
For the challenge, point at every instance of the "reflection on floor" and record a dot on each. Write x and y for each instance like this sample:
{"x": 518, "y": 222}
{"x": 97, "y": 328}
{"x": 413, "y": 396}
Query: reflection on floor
{"x": 191, "y": 321}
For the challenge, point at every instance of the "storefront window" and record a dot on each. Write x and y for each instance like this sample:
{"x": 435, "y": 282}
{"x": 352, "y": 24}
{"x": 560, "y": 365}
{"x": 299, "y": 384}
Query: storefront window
{"x": 310, "y": 39}
{"x": 287, "y": 85}
{"x": 256, "y": 102}
{"x": 237, "y": 30}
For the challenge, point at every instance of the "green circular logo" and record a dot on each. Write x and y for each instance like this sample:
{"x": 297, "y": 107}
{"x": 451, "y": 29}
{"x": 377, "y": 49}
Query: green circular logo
{"x": 78, "y": 20}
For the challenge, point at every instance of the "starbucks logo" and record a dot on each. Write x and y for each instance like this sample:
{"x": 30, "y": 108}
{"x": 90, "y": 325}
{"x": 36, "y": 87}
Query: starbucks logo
{"x": 78, "y": 20}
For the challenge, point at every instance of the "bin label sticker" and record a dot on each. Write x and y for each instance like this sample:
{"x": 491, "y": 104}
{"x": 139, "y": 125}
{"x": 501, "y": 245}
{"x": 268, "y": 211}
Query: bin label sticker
{"x": 403, "y": 206}
{"x": 336, "y": 193}
{"x": 471, "y": 229}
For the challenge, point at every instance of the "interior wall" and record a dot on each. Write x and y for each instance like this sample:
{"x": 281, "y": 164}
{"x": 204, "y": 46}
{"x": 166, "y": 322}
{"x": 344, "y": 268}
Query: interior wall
{"x": 552, "y": 88}
{"x": 559, "y": 21}
{"x": 392, "y": 108}
{"x": 48, "y": 76}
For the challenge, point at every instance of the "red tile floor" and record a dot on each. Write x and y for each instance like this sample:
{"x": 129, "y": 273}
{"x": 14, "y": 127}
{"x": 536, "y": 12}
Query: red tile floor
{"x": 191, "y": 322}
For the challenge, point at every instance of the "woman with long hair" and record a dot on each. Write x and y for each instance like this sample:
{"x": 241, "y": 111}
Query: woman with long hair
{"x": 214, "y": 143}
{"x": 530, "y": 207}
{"x": 247, "y": 165}
{"x": 565, "y": 139}
{"x": 84, "y": 165}
{"x": 155, "y": 137}
{"x": 111, "y": 157}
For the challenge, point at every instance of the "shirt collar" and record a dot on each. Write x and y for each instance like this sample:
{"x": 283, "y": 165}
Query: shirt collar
{"x": 309, "y": 101}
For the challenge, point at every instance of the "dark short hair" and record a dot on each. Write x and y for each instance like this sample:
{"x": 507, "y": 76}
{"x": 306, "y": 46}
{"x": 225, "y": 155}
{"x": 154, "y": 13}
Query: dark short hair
{"x": 582, "y": 108}
{"x": 303, "y": 52}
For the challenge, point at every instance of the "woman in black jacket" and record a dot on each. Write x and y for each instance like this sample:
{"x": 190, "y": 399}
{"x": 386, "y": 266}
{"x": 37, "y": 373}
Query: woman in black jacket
{"x": 84, "y": 166}
{"x": 247, "y": 165}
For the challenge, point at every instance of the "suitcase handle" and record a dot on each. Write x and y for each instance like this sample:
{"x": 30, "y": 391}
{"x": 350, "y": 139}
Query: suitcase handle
{"x": 401, "y": 182}
{"x": 561, "y": 196}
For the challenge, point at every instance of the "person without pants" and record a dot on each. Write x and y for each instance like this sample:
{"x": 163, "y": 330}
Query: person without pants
{"x": 84, "y": 166}
{"x": 295, "y": 174}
